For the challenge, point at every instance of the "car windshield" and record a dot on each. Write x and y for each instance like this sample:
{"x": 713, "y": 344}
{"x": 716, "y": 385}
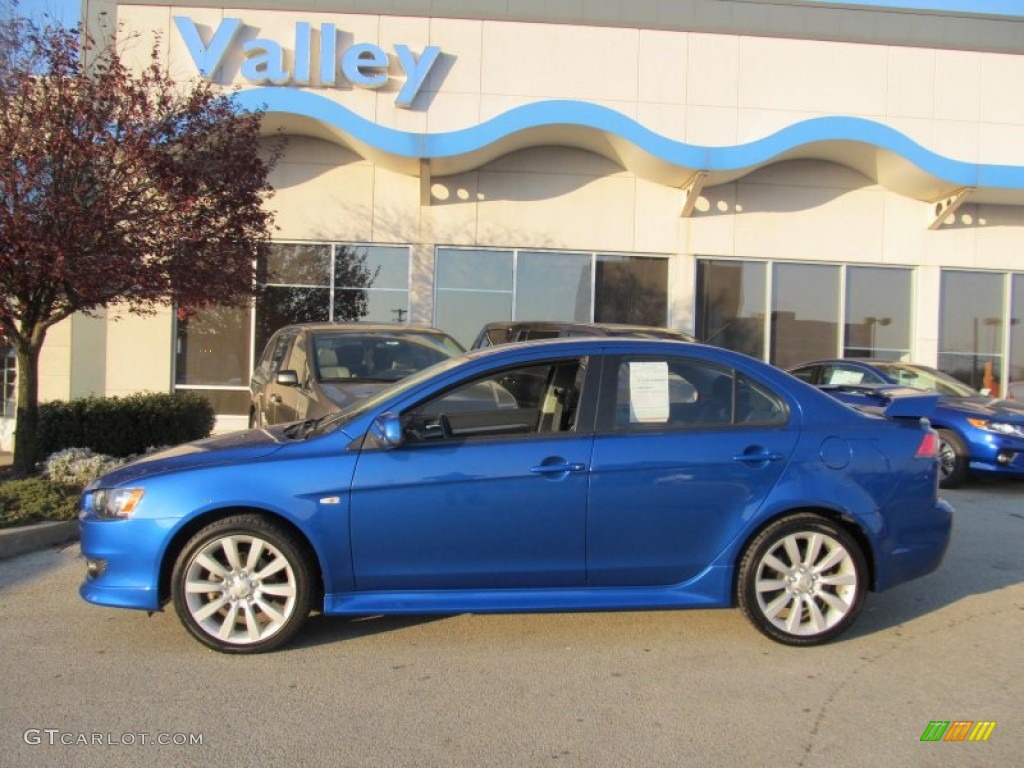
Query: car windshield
{"x": 378, "y": 355}
{"x": 359, "y": 407}
{"x": 928, "y": 379}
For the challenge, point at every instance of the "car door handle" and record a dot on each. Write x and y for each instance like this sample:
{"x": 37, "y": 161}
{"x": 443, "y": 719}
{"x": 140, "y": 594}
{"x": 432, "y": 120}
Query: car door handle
{"x": 555, "y": 469}
{"x": 758, "y": 458}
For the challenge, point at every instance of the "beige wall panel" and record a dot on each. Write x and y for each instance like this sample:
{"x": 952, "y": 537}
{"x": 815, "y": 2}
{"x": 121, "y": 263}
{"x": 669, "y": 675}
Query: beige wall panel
{"x": 998, "y": 229}
{"x": 396, "y": 208}
{"x": 910, "y": 88}
{"x": 147, "y": 25}
{"x": 409, "y": 120}
{"x": 712, "y": 126}
{"x": 548, "y": 160}
{"x": 139, "y": 357}
{"x": 535, "y": 210}
{"x": 957, "y": 139}
{"x": 927, "y": 296}
{"x": 492, "y": 106}
{"x": 458, "y": 69}
{"x": 918, "y": 129}
{"x": 452, "y": 111}
{"x": 955, "y": 246}
{"x": 958, "y": 80}
{"x": 88, "y": 351}
{"x": 904, "y": 230}
{"x": 798, "y": 222}
{"x": 711, "y": 230}
{"x": 754, "y": 124}
{"x": 452, "y": 216}
{"x": 812, "y": 76}
{"x": 555, "y": 61}
{"x": 1001, "y": 80}
{"x": 670, "y": 120}
{"x": 1001, "y": 144}
{"x": 55, "y": 363}
{"x": 663, "y": 67}
{"x": 322, "y": 192}
{"x": 657, "y": 224}
{"x": 713, "y": 70}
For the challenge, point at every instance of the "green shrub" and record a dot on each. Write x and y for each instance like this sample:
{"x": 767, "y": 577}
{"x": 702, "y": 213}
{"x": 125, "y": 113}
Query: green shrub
{"x": 123, "y": 426}
{"x": 36, "y": 499}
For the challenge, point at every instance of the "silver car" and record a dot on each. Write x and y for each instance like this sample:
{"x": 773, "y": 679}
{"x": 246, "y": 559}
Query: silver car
{"x": 310, "y": 370}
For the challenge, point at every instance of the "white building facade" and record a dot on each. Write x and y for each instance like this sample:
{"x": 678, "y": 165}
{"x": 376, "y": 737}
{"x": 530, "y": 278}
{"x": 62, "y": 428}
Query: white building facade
{"x": 790, "y": 179}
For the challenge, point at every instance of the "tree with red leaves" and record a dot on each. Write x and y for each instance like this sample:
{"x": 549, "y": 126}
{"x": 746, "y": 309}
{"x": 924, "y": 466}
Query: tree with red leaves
{"x": 116, "y": 187}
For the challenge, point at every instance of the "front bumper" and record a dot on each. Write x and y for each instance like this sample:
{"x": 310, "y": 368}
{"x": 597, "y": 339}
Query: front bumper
{"x": 128, "y": 552}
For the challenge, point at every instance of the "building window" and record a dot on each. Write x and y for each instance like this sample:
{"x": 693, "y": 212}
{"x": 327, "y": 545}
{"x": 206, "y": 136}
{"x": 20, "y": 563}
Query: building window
{"x": 877, "y": 313}
{"x": 971, "y": 322}
{"x": 731, "y": 299}
{"x": 630, "y": 289}
{"x": 1015, "y": 387}
{"x": 474, "y": 287}
{"x": 807, "y": 316}
{"x": 296, "y": 283}
{"x": 553, "y": 286}
{"x": 7, "y": 382}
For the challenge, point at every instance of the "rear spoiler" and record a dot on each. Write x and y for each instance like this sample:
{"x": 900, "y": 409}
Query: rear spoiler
{"x": 895, "y": 402}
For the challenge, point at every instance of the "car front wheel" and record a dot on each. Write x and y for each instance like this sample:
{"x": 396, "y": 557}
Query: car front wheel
{"x": 952, "y": 459}
{"x": 242, "y": 585}
{"x": 803, "y": 580}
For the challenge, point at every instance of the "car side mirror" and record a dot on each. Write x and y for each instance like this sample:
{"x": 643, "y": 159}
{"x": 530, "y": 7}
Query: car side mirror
{"x": 387, "y": 430}
{"x": 287, "y": 378}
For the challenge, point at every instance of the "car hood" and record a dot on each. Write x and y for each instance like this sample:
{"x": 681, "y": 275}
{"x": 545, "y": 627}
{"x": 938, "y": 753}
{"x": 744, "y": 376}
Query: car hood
{"x": 344, "y": 395}
{"x": 985, "y": 407}
{"x": 230, "y": 448}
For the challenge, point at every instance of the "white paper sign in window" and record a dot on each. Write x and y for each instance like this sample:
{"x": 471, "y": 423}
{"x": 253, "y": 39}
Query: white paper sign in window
{"x": 648, "y": 393}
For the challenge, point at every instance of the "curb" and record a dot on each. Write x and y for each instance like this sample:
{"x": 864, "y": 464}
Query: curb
{"x": 31, "y": 538}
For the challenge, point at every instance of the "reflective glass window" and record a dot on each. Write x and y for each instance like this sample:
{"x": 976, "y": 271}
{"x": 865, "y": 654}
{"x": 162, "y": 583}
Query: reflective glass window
{"x": 473, "y": 287}
{"x": 731, "y": 305}
{"x": 971, "y": 328}
{"x": 553, "y": 286}
{"x": 878, "y": 302}
{"x": 630, "y": 289}
{"x": 212, "y": 346}
{"x": 805, "y": 313}
{"x": 1015, "y": 389}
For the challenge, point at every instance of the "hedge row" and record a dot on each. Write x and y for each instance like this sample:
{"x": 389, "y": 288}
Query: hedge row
{"x": 123, "y": 426}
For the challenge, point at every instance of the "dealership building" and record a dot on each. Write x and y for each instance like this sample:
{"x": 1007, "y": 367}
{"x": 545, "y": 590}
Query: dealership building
{"x": 788, "y": 178}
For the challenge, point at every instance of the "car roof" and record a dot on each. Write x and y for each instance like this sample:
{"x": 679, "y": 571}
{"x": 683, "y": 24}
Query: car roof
{"x": 361, "y": 327}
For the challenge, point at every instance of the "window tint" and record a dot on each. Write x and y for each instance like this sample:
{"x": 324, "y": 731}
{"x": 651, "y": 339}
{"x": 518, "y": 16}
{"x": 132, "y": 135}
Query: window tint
{"x": 808, "y": 373}
{"x": 275, "y": 353}
{"x": 682, "y": 392}
{"x": 536, "y": 399}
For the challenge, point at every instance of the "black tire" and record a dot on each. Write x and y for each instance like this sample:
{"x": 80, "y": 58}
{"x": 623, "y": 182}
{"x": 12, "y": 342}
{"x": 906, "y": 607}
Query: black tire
{"x": 828, "y": 582}
{"x": 260, "y": 585}
{"x": 953, "y": 459}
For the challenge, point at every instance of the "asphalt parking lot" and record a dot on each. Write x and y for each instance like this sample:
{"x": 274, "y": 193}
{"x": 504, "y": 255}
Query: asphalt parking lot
{"x": 84, "y": 685}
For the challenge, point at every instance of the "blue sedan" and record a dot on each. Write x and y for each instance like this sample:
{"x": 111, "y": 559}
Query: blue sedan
{"x": 582, "y": 474}
{"x": 978, "y": 435}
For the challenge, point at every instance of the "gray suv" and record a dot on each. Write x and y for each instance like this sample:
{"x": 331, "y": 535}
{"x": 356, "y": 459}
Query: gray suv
{"x": 314, "y": 369}
{"x": 507, "y": 331}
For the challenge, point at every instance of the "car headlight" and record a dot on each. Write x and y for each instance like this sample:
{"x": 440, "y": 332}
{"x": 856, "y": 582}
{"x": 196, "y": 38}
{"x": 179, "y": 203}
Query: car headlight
{"x": 115, "y": 503}
{"x": 999, "y": 427}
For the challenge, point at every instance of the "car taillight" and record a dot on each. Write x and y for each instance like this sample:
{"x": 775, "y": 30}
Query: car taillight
{"x": 929, "y": 447}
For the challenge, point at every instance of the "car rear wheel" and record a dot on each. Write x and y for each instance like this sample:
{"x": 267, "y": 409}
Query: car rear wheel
{"x": 952, "y": 459}
{"x": 802, "y": 581}
{"x": 242, "y": 585}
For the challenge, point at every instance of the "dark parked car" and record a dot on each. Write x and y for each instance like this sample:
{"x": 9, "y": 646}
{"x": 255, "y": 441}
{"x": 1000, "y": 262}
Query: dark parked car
{"x": 978, "y": 435}
{"x": 582, "y": 474}
{"x": 507, "y": 331}
{"x": 313, "y": 369}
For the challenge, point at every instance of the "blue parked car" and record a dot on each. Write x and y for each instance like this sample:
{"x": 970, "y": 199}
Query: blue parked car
{"x": 978, "y": 435}
{"x": 577, "y": 474}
